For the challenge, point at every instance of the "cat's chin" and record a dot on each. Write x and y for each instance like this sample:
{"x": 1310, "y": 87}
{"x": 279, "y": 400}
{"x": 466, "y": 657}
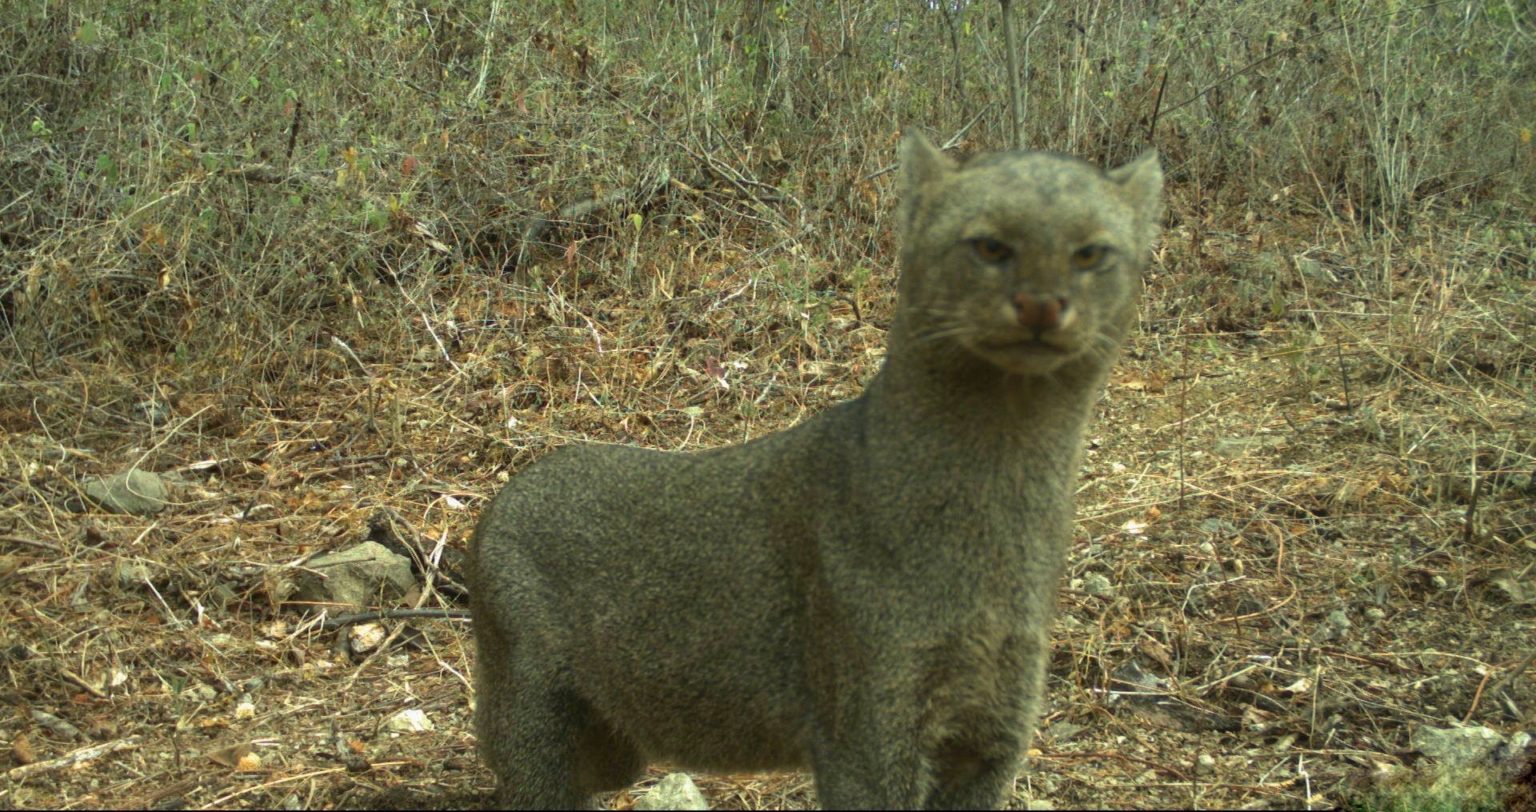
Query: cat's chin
{"x": 1025, "y": 356}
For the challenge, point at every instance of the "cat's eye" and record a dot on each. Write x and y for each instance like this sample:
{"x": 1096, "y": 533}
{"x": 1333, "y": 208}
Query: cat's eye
{"x": 1089, "y": 257}
{"x": 990, "y": 250}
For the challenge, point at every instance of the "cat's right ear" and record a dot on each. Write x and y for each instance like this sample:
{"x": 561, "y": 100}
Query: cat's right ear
{"x": 921, "y": 161}
{"x": 921, "y": 164}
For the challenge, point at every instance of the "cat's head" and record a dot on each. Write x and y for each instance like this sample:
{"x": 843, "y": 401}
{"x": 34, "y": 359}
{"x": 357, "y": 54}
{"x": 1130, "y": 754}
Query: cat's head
{"x": 1026, "y": 259}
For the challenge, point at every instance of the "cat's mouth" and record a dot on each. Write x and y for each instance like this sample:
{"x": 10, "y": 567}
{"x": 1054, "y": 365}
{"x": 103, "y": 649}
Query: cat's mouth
{"x": 1028, "y": 346}
{"x": 1029, "y": 356}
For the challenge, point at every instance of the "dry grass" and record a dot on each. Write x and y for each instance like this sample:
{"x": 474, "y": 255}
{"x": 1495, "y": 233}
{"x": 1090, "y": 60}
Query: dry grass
{"x": 1311, "y": 484}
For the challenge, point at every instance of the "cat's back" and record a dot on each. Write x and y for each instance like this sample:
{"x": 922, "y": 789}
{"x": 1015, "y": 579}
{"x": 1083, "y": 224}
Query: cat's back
{"x": 583, "y": 503}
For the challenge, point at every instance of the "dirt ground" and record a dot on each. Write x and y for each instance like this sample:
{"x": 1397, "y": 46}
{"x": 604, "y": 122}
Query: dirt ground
{"x": 1299, "y": 540}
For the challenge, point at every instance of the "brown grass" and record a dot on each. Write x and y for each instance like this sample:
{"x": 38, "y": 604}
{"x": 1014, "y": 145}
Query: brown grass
{"x": 1327, "y": 415}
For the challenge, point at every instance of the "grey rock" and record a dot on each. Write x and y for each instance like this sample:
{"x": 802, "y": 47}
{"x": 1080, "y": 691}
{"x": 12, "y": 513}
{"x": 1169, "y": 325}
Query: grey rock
{"x": 676, "y": 791}
{"x": 139, "y": 493}
{"x": 1218, "y": 527}
{"x": 1233, "y": 447}
{"x": 1512, "y": 751}
{"x": 153, "y": 412}
{"x": 410, "y": 720}
{"x": 132, "y": 573}
{"x": 1097, "y": 584}
{"x": 1456, "y": 746}
{"x": 360, "y": 576}
{"x": 221, "y": 596}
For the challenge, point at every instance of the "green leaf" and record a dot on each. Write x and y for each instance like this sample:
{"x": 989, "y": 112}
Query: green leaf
{"x": 107, "y": 168}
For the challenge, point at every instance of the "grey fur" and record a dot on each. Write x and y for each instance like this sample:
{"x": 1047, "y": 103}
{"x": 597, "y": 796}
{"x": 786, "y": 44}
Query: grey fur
{"x": 867, "y": 594}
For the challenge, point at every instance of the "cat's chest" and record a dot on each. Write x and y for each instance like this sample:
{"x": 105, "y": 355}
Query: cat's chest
{"x": 975, "y": 670}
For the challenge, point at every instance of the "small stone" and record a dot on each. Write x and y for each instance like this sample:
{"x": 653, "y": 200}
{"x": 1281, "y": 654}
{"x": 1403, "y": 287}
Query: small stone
{"x": 1205, "y": 763}
{"x": 1375, "y": 613}
{"x": 1456, "y": 746}
{"x": 152, "y": 411}
{"x": 1217, "y": 526}
{"x": 132, "y": 574}
{"x": 1097, "y": 584}
{"x": 365, "y": 637}
{"x": 676, "y": 791}
{"x": 220, "y": 596}
{"x": 410, "y": 720}
{"x": 354, "y": 578}
{"x": 135, "y": 492}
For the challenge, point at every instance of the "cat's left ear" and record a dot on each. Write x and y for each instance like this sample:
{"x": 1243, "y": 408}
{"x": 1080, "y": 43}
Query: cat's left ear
{"x": 1141, "y": 182}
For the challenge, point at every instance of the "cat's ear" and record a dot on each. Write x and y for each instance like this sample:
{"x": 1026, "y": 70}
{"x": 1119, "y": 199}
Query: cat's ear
{"x": 1141, "y": 185}
{"x": 921, "y": 161}
{"x": 921, "y": 164}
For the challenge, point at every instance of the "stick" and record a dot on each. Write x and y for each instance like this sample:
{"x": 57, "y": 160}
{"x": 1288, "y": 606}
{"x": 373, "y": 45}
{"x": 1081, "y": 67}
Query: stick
{"x": 82, "y": 755}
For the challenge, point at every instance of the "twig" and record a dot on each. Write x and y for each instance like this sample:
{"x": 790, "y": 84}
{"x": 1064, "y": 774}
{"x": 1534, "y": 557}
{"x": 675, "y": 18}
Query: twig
{"x": 1477, "y": 696}
{"x": 1505, "y": 681}
{"x": 1338, "y": 348}
{"x": 1232, "y": 76}
{"x": 950, "y": 144}
{"x": 1014, "y": 112}
{"x": 71, "y": 759}
{"x": 83, "y": 683}
{"x": 46, "y": 545}
{"x": 1470, "y": 520}
{"x": 1157, "y": 108}
{"x": 392, "y": 614}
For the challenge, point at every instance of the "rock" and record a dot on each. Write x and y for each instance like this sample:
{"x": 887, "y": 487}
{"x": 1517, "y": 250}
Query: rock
{"x": 139, "y": 493}
{"x": 221, "y": 596}
{"x": 1333, "y": 626}
{"x": 153, "y": 412}
{"x": 410, "y": 720}
{"x": 1456, "y": 746}
{"x": 1218, "y": 527}
{"x": 365, "y": 637}
{"x": 1512, "y": 751}
{"x": 1233, "y": 447}
{"x": 359, "y": 576}
{"x": 1137, "y": 683}
{"x": 132, "y": 573}
{"x": 676, "y": 791}
{"x": 1098, "y": 585}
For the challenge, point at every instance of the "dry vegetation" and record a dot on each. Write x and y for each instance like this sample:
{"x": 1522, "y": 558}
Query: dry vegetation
{"x": 385, "y": 258}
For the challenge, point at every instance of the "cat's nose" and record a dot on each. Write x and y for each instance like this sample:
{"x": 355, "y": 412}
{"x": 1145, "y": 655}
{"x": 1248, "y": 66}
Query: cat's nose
{"x": 1040, "y": 313}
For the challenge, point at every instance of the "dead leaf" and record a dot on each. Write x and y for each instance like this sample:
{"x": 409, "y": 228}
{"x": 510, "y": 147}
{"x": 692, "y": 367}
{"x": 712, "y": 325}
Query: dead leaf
{"x": 21, "y": 749}
{"x": 232, "y": 755}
